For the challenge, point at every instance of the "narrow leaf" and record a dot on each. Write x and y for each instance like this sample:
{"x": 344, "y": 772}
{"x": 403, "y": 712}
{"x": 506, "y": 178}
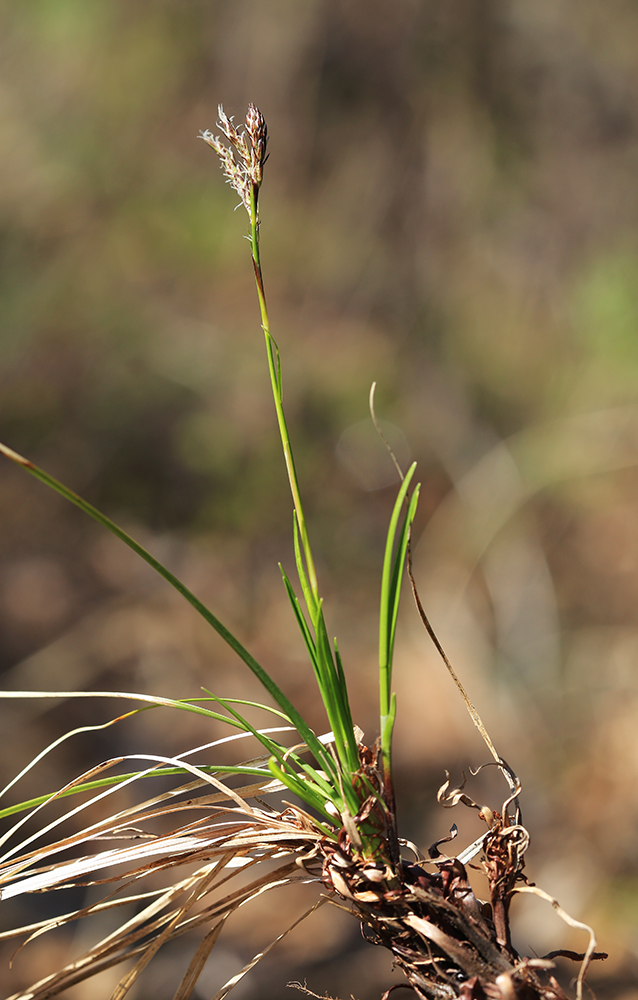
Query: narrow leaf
{"x": 264, "y": 678}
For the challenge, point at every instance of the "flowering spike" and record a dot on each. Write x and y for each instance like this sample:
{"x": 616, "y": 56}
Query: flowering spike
{"x": 243, "y": 160}
{"x": 258, "y": 133}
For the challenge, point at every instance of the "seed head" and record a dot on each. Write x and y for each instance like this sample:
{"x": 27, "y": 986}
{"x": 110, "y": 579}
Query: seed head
{"x": 243, "y": 158}
{"x": 258, "y": 132}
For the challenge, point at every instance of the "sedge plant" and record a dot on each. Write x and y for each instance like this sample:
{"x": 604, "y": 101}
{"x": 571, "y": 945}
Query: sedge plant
{"x": 215, "y": 824}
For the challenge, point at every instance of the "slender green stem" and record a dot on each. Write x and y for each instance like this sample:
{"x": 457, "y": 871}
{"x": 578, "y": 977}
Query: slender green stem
{"x": 274, "y": 368}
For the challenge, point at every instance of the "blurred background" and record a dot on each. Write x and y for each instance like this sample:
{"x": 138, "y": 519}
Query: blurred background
{"x": 451, "y": 209}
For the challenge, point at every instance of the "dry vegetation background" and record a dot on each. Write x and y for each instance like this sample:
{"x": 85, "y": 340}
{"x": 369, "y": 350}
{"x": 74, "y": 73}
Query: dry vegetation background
{"x": 450, "y": 208}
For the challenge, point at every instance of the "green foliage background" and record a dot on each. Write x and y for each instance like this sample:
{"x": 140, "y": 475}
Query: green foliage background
{"x": 450, "y": 208}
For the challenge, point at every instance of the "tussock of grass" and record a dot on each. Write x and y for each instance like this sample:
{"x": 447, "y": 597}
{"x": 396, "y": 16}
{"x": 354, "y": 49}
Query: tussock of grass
{"x": 185, "y": 859}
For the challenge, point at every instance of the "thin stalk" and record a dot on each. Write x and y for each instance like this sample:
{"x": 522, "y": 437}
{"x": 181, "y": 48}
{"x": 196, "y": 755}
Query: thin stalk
{"x": 274, "y": 368}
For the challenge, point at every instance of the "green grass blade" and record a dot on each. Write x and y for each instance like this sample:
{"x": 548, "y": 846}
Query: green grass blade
{"x": 306, "y": 590}
{"x": 353, "y": 745}
{"x": 264, "y": 678}
{"x": 306, "y": 790}
{"x": 306, "y": 793}
{"x": 389, "y": 610}
{"x": 386, "y": 735}
{"x": 346, "y": 711}
{"x": 303, "y": 624}
{"x": 161, "y": 772}
{"x": 390, "y": 587}
{"x": 331, "y": 683}
{"x": 336, "y": 694}
{"x": 397, "y": 569}
{"x": 251, "y": 704}
{"x": 150, "y": 702}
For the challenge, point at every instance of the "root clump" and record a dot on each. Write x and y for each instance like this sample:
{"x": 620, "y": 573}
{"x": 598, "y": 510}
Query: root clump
{"x": 447, "y": 942}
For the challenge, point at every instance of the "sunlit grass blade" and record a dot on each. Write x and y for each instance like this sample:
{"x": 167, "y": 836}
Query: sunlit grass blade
{"x": 393, "y": 563}
{"x": 345, "y": 710}
{"x": 336, "y": 695}
{"x": 273, "y": 748}
{"x": 89, "y": 786}
{"x": 160, "y": 772}
{"x": 304, "y": 628}
{"x": 245, "y": 701}
{"x": 390, "y": 589}
{"x": 317, "y": 746}
{"x": 163, "y": 805}
{"x": 187, "y": 705}
{"x": 306, "y": 590}
{"x": 313, "y": 789}
{"x": 394, "y": 593}
{"x": 330, "y": 680}
{"x": 154, "y": 759}
{"x": 262, "y": 675}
